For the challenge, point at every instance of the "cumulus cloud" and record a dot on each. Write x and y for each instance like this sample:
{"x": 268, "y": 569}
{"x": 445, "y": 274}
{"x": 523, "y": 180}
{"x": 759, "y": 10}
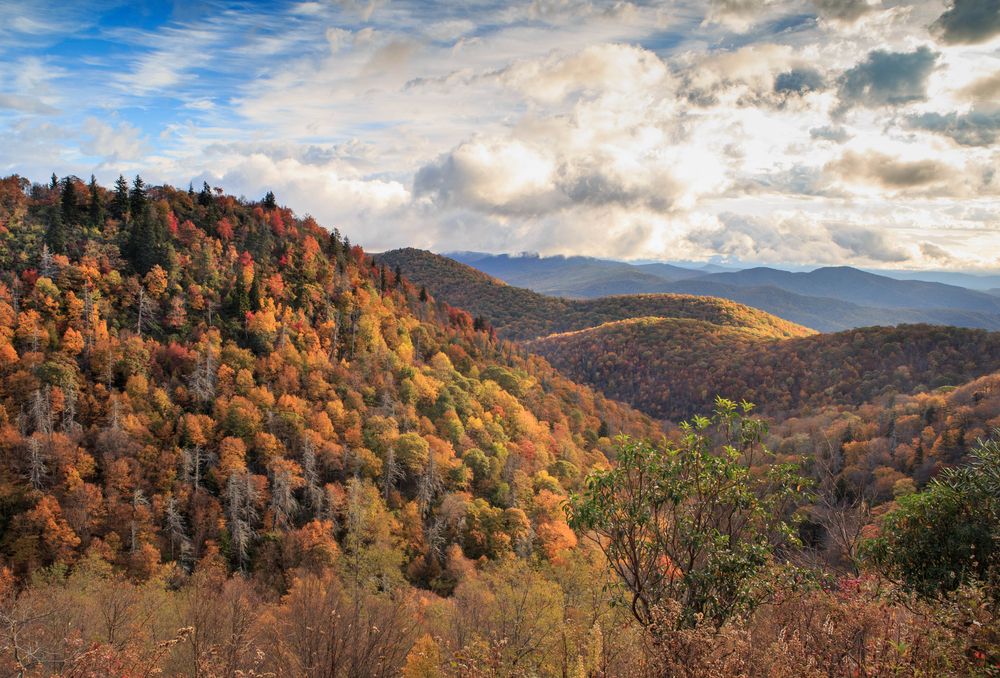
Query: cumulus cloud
{"x": 835, "y": 133}
{"x": 799, "y": 81}
{"x": 494, "y": 176}
{"x": 846, "y": 11}
{"x": 887, "y": 79}
{"x": 968, "y": 22}
{"x": 937, "y": 254}
{"x": 748, "y": 73}
{"x": 112, "y": 143}
{"x": 983, "y": 90}
{"x": 796, "y": 238}
{"x": 968, "y": 129}
{"x": 598, "y": 68}
{"x": 566, "y": 126}
{"x": 890, "y": 173}
{"x": 737, "y": 15}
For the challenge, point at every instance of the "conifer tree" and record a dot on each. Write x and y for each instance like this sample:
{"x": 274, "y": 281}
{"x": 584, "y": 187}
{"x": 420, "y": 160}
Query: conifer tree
{"x": 120, "y": 203}
{"x": 55, "y": 234}
{"x": 70, "y": 212}
{"x": 137, "y": 197}
{"x": 96, "y": 215}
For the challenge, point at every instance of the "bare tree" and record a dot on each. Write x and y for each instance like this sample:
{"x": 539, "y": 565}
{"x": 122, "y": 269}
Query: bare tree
{"x": 314, "y": 493}
{"x": 202, "y": 381}
{"x": 139, "y": 501}
{"x": 194, "y": 461}
{"x": 180, "y": 545}
{"x": 392, "y": 473}
{"x": 283, "y": 503}
{"x": 429, "y": 485}
{"x": 842, "y": 514}
{"x": 37, "y": 470}
{"x": 241, "y": 512}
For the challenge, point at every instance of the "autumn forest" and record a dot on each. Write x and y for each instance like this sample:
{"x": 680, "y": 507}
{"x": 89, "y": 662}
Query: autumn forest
{"x": 235, "y": 443}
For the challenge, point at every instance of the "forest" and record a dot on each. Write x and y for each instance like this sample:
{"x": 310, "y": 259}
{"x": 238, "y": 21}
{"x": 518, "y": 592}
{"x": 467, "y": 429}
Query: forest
{"x": 674, "y": 367}
{"x": 235, "y": 443}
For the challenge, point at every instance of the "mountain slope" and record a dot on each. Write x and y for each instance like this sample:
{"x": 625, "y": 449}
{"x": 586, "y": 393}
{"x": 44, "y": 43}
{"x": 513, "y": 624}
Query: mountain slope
{"x": 518, "y": 313}
{"x": 188, "y": 377}
{"x": 674, "y": 368}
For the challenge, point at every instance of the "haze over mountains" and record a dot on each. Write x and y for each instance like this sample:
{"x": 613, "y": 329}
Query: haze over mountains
{"x": 827, "y": 299}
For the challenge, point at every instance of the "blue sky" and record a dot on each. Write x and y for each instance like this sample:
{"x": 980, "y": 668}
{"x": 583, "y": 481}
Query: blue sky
{"x": 776, "y": 131}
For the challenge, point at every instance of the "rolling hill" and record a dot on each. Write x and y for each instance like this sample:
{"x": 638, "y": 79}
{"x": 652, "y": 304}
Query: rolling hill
{"x": 673, "y": 368}
{"x": 518, "y": 313}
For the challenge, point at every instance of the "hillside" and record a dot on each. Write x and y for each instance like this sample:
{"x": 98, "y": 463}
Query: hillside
{"x": 184, "y": 374}
{"x": 673, "y": 368}
{"x": 517, "y": 313}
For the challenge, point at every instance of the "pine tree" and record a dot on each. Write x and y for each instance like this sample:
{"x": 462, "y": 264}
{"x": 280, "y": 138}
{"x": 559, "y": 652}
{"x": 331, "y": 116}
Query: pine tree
{"x": 119, "y": 205}
{"x": 269, "y": 201}
{"x": 55, "y": 234}
{"x": 96, "y": 215}
{"x": 137, "y": 197}
{"x": 70, "y": 211}
{"x": 146, "y": 239}
{"x": 205, "y": 197}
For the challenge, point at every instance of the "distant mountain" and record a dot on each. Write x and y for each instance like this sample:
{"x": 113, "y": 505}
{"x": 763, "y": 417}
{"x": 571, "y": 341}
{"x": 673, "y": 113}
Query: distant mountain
{"x": 974, "y": 281}
{"x": 575, "y": 276}
{"x": 832, "y": 315}
{"x": 518, "y": 313}
{"x": 863, "y": 288}
{"x": 827, "y": 299}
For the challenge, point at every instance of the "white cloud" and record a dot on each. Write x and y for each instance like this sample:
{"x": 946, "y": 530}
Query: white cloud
{"x": 113, "y": 143}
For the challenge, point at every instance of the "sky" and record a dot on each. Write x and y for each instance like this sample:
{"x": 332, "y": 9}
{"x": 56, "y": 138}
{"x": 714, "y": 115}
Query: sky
{"x": 798, "y": 132}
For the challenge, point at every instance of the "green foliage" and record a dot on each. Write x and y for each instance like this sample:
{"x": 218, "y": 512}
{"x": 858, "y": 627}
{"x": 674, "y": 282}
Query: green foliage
{"x": 948, "y": 534}
{"x": 695, "y": 521}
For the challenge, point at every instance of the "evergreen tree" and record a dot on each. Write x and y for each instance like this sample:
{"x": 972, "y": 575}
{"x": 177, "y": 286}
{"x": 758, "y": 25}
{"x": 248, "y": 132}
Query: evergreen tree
{"x": 70, "y": 211}
{"x": 55, "y": 234}
{"x": 269, "y": 202}
{"x": 146, "y": 245}
{"x": 54, "y": 182}
{"x": 96, "y": 216}
{"x": 137, "y": 198}
{"x": 119, "y": 205}
{"x": 205, "y": 197}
